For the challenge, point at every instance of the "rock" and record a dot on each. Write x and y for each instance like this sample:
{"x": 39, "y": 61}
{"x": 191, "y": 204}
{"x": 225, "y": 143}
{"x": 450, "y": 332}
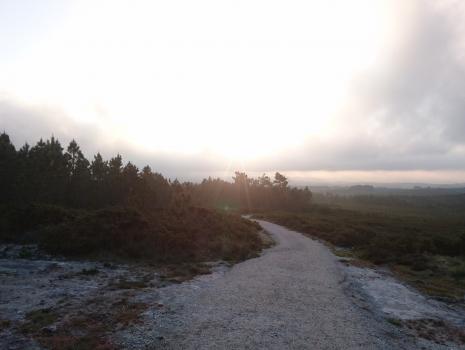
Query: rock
{"x": 49, "y": 330}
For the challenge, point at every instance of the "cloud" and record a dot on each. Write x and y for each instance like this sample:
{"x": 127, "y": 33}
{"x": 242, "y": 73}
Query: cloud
{"x": 405, "y": 113}
{"x": 408, "y": 111}
{"x": 414, "y": 99}
{"x": 28, "y": 123}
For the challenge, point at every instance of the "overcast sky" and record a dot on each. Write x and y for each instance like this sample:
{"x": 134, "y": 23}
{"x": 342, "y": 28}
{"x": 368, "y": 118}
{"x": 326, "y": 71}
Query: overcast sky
{"x": 326, "y": 91}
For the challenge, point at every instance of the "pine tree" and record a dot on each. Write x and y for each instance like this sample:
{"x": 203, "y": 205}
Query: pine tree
{"x": 77, "y": 194}
{"x": 8, "y": 168}
{"x": 99, "y": 168}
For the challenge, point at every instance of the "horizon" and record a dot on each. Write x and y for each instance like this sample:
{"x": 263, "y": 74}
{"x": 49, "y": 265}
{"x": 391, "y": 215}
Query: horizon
{"x": 295, "y": 178}
{"x": 370, "y": 93}
{"x": 239, "y": 174}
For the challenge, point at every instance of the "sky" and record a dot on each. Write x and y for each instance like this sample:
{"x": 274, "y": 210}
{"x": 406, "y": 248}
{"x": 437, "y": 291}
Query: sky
{"x": 362, "y": 91}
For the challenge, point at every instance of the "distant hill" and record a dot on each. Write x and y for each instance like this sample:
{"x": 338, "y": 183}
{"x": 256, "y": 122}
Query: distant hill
{"x": 360, "y": 190}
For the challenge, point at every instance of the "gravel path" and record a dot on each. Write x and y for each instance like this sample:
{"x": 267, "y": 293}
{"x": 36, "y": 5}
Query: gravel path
{"x": 291, "y": 297}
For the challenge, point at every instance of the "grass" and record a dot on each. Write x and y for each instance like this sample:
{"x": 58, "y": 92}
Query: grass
{"x": 437, "y": 331}
{"x": 88, "y": 329}
{"x": 4, "y": 324}
{"x": 177, "y": 241}
{"x": 25, "y": 253}
{"x": 124, "y": 283}
{"x": 395, "y": 322}
{"x": 434, "y": 330}
{"x": 163, "y": 236}
{"x": 89, "y": 272}
{"x": 36, "y": 320}
{"x": 182, "y": 235}
{"x": 178, "y": 273}
{"x": 423, "y": 246}
{"x": 442, "y": 276}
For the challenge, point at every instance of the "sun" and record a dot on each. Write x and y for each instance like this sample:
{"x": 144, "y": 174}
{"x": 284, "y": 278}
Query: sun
{"x": 198, "y": 84}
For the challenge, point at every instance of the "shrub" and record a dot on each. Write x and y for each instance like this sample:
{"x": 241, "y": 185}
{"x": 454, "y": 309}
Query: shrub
{"x": 106, "y": 230}
{"x": 164, "y": 235}
{"x": 17, "y": 222}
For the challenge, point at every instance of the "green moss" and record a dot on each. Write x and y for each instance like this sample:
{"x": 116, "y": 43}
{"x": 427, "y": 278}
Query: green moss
{"x": 38, "y": 319}
{"x": 4, "y": 324}
{"x": 394, "y": 321}
{"x": 127, "y": 284}
{"x": 89, "y": 272}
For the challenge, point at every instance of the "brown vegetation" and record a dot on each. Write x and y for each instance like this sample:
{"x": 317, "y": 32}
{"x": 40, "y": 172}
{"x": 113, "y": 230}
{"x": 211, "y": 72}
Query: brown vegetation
{"x": 424, "y": 246}
{"x": 76, "y": 207}
{"x": 164, "y": 235}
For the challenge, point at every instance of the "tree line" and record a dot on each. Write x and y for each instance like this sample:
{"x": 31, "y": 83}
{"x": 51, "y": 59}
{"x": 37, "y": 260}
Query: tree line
{"x": 47, "y": 173}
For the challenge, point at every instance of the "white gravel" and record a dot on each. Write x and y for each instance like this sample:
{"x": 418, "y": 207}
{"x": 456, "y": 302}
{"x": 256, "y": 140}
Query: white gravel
{"x": 399, "y": 301}
{"x": 294, "y": 296}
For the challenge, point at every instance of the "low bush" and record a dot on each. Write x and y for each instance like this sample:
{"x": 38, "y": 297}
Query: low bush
{"x": 165, "y": 235}
{"x": 380, "y": 237}
{"x": 18, "y": 223}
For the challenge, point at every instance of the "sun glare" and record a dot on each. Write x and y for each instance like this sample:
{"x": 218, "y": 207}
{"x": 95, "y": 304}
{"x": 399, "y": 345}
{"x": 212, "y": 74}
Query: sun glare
{"x": 220, "y": 85}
